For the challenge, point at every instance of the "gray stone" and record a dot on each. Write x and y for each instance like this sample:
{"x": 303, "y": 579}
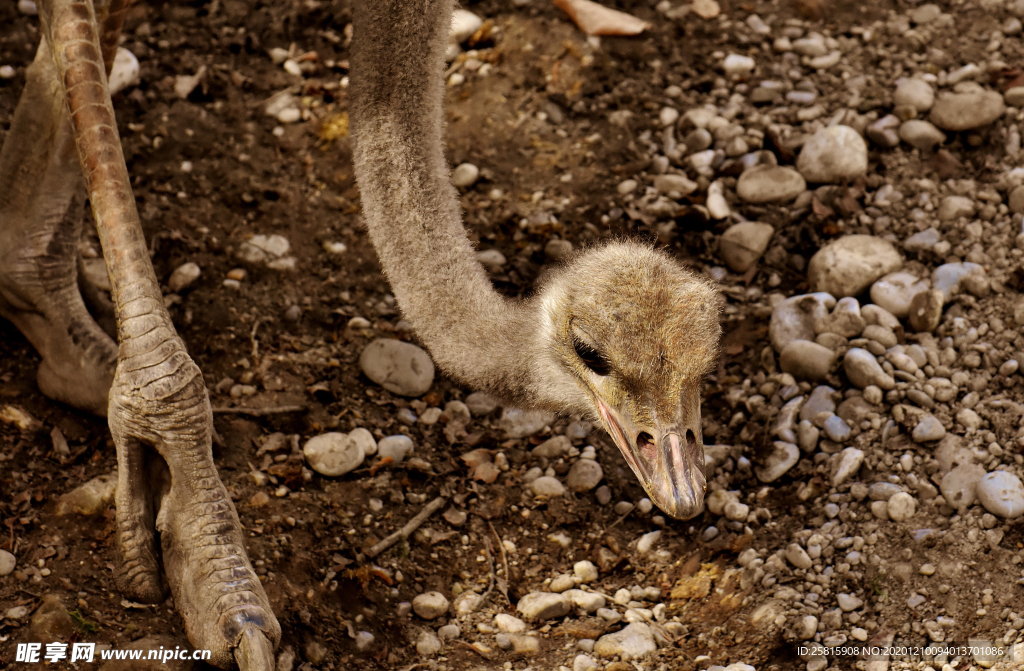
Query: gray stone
{"x": 794, "y": 318}
{"x": 921, "y": 134}
{"x": 915, "y": 93}
{"x": 895, "y": 291}
{"x": 807, "y": 435}
{"x": 397, "y": 447}
{"x": 518, "y": 423}
{"x": 882, "y": 491}
{"x": 846, "y": 464}
{"x": 807, "y": 360}
{"x": 557, "y": 250}
{"x": 633, "y": 642}
{"x": 902, "y": 507}
{"x": 849, "y": 265}
{"x": 540, "y": 606}
{"x": 782, "y": 458}
{"x": 959, "y": 486}
{"x": 7, "y": 563}
{"x": 680, "y": 184}
{"x": 928, "y": 429}
{"x": 400, "y": 367}
{"x": 428, "y": 643}
{"x": 1000, "y": 492}
{"x": 874, "y": 314}
{"x": 1016, "y": 200}
{"x": 848, "y": 602}
{"x": 547, "y": 486}
{"x": 584, "y": 663}
{"x": 743, "y": 244}
{"x": 836, "y": 429}
{"x": 863, "y": 370}
{"x": 798, "y": 557}
{"x": 1014, "y": 96}
{"x": 966, "y": 111}
{"x": 833, "y": 154}
{"x": 922, "y": 241}
{"x": 430, "y": 605}
{"x": 949, "y": 277}
{"x": 925, "y": 311}
{"x": 821, "y": 400}
{"x": 588, "y": 602}
{"x": 183, "y": 276}
{"x": 880, "y": 334}
{"x": 770, "y": 184}
{"x": 481, "y": 403}
{"x": 90, "y": 498}
{"x": 553, "y": 448}
{"x": 955, "y": 207}
{"x": 333, "y": 454}
{"x": 510, "y": 624}
{"x": 885, "y": 131}
{"x": 845, "y": 320}
{"x": 584, "y": 475}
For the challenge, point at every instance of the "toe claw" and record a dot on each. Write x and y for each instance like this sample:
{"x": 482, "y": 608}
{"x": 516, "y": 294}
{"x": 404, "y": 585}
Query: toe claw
{"x": 255, "y": 652}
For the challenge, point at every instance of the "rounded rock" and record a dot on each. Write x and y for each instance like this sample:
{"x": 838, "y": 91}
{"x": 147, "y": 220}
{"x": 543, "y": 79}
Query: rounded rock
{"x": 428, "y": 643}
{"x": 400, "y": 367}
{"x": 929, "y": 429}
{"x": 965, "y": 111}
{"x": 183, "y": 276}
{"x": 863, "y": 370}
{"x": 798, "y": 557}
{"x": 397, "y": 447}
{"x": 539, "y": 606}
{"x": 849, "y": 462}
{"x": 430, "y": 605}
{"x": 921, "y": 134}
{"x": 901, "y": 507}
{"x": 464, "y": 24}
{"x": 585, "y": 571}
{"x": 633, "y": 642}
{"x": 465, "y": 174}
{"x": 584, "y": 475}
{"x": 743, "y": 244}
{"x": 1000, "y": 492}
{"x": 895, "y": 291}
{"x": 849, "y": 265}
{"x": 833, "y": 154}
{"x": 7, "y": 563}
{"x": 807, "y": 360}
{"x": 915, "y": 93}
{"x": 925, "y": 311}
{"x": 782, "y": 458}
{"x": 795, "y": 318}
{"x": 770, "y": 184}
{"x": 547, "y": 486}
{"x": 334, "y": 454}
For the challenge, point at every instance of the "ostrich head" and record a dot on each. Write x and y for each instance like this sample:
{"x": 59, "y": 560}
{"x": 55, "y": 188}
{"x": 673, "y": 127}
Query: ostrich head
{"x": 629, "y": 336}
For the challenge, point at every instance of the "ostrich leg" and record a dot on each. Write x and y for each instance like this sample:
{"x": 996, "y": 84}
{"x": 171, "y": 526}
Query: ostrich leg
{"x": 171, "y": 505}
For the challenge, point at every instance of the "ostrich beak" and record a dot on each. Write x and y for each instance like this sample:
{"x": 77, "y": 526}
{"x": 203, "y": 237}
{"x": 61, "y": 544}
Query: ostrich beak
{"x": 668, "y": 460}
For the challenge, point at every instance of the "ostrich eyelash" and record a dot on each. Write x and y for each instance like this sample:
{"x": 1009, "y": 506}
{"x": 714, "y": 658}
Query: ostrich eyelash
{"x": 591, "y": 358}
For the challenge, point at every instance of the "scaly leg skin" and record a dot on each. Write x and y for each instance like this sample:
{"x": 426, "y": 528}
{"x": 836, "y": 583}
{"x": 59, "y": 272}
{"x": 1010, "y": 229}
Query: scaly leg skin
{"x": 42, "y": 200}
{"x": 170, "y": 502}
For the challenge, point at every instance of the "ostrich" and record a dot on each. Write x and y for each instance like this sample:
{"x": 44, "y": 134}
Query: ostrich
{"x": 621, "y": 333}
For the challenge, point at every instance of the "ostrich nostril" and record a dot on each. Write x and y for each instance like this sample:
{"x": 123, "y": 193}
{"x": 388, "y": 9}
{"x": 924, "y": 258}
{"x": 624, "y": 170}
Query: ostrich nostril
{"x": 645, "y": 445}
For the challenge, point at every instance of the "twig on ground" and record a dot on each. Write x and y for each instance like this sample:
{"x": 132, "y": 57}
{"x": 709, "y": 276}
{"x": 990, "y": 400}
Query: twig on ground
{"x": 255, "y": 342}
{"x": 411, "y": 526}
{"x": 463, "y": 644}
{"x": 260, "y": 412}
{"x": 490, "y": 567}
{"x": 503, "y": 581}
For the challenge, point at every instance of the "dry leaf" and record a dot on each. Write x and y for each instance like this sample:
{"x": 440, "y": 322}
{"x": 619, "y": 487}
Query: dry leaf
{"x": 595, "y": 19}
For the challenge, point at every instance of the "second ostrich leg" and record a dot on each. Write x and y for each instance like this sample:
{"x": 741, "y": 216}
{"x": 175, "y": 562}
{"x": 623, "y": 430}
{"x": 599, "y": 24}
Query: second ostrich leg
{"x": 171, "y": 505}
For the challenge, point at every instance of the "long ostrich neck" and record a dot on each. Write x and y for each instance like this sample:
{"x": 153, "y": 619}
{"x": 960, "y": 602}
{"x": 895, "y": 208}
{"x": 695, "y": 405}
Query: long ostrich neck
{"x": 411, "y": 208}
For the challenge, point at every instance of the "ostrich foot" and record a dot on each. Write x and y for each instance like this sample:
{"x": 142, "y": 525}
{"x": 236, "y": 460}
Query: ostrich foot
{"x": 171, "y": 504}
{"x": 42, "y": 199}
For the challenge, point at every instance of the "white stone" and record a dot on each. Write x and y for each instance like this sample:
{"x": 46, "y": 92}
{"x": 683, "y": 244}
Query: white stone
{"x": 915, "y": 93}
{"x": 921, "y": 134}
{"x": 901, "y": 507}
{"x": 633, "y": 642}
{"x": 717, "y": 206}
{"x": 584, "y": 475}
{"x": 428, "y": 643}
{"x": 833, "y": 154}
{"x": 7, "y": 563}
{"x": 516, "y": 423}
{"x": 929, "y": 429}
{"x": 847, "y": 464}
{"x": 588, "y": 602}
{"x": 397, "y": 447}
{"x": 400, "y": 367}
{"x": 848, "y": 602}
{"x": 795, "y": 318}
{"x": 585, "y": 571}
{"x": 547, "y": 486}
{"x": 949, "y": 277}
{"x": 959, "y": 486}
{"x": 464, "y": 24}
{"x": 465, "y": 174}
{"x": 1000, "y": 492}
{"x": 806, "y": 360}
{"x": 671, "y": 184}
{"x": 430, "y": 605}
{"x": 647, "y": 541}
{"x": 955, "y": 207}
{"x": 782, "y": 458}
{"x": 770, "y": 184}
{"x": 863, "y": 370}
{"x": 124, "y": 73}
{"x": 183, "y": 276}
{"x": 736, "y": 65}
{"x": 848, "y": 266}
{"x": 510, "y": 624}
{"x": 895, "y": 291}
{"x": 539, "y": 606}
{"x": 334, "y": 454}
{"x": 965, "y": 111}
{"x": 798, "y": 557}
{"x": 584, "y": 663}
{"x": 845, "y": 320}
{"x": 91, "y": 498}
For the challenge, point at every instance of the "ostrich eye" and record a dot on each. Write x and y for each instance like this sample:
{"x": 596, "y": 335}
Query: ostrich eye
{"x": 591, "y": 358}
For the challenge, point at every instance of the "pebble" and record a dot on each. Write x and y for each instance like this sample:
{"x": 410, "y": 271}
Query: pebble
{"x": 959, "y": 486}
{"x": 742, "y": 244}
{"x": 547, "y": 486}
{"x": 798, "y": 557}
{"x": 795, "y": 318}
{"x": 925, "y": 311}
{"x": 428, "y": 643}
{"x": 632, "y": 642}
{"x": 396, "y": 447}
{"x": 923, "y": 240}
{"x": 880, "y": 334}
{"x": 833, "y": 154}
{"x": 679, "y": 184}
{"x": 915, "y": 93}
{"x": 885, "y": 131}
{"x": 28, "y": 7}
{"x": 334, "y": 454}
{"x": 770, "y": 184}
{"x": 845, "y": 320}
{"x": 1000, "y": 492}
{"x": 510, "y": 624}
{"x": 400, "y": 367}
{"x": 464, "y": 175}
{"x": 863, "y": 370}
{"x": 848, "y": 602}
{"x": 955, "y": 207}
{"x": 849, "y": 265}
{"x": 921, "y": 134}
{"x": 584, "y": 475}
{"x": 464, "y": 24}
{"x": 518, "y": 423}
{"x": 588, "y": 602}
{"x": 553, "y": 448}
{"x": 585, "y": 571}
{"x": 647, "y": 541}
{"x": 928, "y": 429}
{"x": 7, "y": 72}
{"x": 736, "y": 65}
{"x": 782, "y": 458}
{"x": 557, "y": 249}
{"x": 718, "y": 207}
{"x": 837, "y": 429}
{"x": 807, "y": 360}
{"x": 124, "y": 73}
{"x": 584, "y": 663}
{"x": 270, "y": 250}
{"x": 183, "y": 276}
{"x": 491, "y": 259}
{"x": 481, "y": 403}
{"x": 901, "y": 507}
{"x": 365, "y": 639}
{"x": 965, "y": 111}
{"x": 949, "y": 277}
{"x": 91, "y": 498}
{"x": 430, "y": 605}
{"x": 7, "y": 563}
{"x": 1014, "y": 96}
{"x": 882, "y": 491}
{"x": 539, "y": 606}
{"x": 895, "y": 291}
{"x": 847, "y": 464}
